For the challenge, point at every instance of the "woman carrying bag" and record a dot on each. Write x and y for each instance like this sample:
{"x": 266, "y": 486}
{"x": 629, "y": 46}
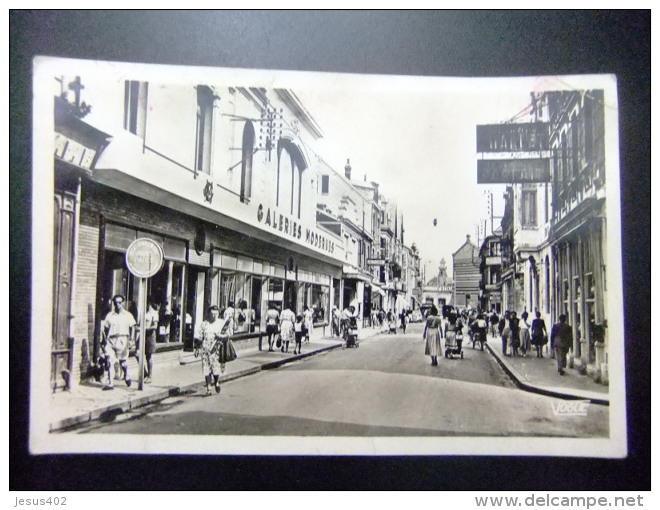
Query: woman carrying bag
{"x": 213, "y": 344}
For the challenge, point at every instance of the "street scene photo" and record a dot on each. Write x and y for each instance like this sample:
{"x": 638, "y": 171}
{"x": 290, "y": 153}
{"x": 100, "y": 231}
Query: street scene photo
{"x": 289, "y": 263}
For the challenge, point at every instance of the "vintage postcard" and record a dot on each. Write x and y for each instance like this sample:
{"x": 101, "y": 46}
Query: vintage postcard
{"x": 292, "y": 263}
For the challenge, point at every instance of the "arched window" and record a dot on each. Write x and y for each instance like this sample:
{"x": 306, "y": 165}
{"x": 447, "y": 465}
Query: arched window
{"x": 203, "y": 130}
{"x": 246, "y": 162}
{"x": 291, "y": 166}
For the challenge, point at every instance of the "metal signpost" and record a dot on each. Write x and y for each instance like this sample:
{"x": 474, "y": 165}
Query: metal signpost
{"x": 144, "y": 258}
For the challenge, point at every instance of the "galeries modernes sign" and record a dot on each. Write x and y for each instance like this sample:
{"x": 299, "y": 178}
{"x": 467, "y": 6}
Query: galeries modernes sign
{"x": 292, "y": 227}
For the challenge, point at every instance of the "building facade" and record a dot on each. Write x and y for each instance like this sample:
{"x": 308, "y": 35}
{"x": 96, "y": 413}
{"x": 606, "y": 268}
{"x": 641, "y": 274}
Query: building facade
{"x": 490, "y": 254}
{"x": 218, "y": 175}
{"x": 439, "y": 290}
{"x": 554, "y": 228}
{"x": 577, "y": 237}
{"x": 467, "y": 276}
{"x": 225, "y": 179}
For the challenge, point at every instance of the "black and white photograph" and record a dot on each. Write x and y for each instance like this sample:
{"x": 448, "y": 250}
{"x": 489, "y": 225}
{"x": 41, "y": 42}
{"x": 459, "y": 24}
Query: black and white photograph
{"x": 329, "y": 250}
{"x": 308, "y": 263}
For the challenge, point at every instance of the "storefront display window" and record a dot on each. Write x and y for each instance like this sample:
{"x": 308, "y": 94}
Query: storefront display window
{"x": 165, "y": 288}
{"x": 262, "y": 284}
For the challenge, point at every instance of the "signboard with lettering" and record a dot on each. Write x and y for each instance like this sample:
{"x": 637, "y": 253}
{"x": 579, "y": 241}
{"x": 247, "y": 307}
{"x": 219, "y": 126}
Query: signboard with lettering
{"x": 509, "y": 171}
{"x": 375, "y": 262}
{"x": 527, "y": 137}
{"x": 144, "y": 257}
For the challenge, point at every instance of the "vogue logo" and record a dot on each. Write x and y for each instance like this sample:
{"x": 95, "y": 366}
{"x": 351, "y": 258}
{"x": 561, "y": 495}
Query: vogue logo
{"x": 570, "y": 408}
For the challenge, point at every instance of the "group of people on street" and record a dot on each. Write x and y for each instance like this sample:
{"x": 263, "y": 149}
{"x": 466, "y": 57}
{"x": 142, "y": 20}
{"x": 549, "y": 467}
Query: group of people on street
{"x": 436, "y": 328}
{"x": 285, "y": 326}
{"x": 391, "y": 320}
{"x": 212, "y": 338}
{"x": 519, "y": 336}
{"x": 120, "y": 336}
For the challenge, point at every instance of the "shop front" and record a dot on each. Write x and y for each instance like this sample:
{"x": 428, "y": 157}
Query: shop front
{"x": 580, "y": 289}
{"x": 257, "y": 284}
{"x": 204, "y": 264}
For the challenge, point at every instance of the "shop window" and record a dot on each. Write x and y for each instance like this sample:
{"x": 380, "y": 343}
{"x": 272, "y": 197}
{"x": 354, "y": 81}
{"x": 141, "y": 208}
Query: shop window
{"x": 320, "y": 295}
{"x": 165, "y": 287}
{"x": 135, "y": 107}
{"x": 227, "y": 289}
{"x": 203, "y": 130}
{"x": 275, "y": 292}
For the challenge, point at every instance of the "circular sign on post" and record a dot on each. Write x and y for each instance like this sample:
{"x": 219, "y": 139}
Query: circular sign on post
{"x": 144, "y": 257}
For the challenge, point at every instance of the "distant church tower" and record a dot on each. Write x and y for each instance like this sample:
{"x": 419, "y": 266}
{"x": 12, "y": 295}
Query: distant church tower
{"x": 442, "y": 272}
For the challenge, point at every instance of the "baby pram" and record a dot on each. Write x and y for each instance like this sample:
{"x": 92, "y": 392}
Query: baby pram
{"x": 453, "y": 343}
{"x": 351, "y": 333}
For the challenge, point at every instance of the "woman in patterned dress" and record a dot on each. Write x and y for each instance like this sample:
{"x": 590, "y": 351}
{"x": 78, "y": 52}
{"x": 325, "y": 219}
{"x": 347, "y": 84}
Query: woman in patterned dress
{"x": 432, "y": 335}
{"x": 207, "y": 342}
{"x": 287, "y": 318}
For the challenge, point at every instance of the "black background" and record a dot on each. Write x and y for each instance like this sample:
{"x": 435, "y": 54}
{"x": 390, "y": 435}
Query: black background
{"x": 427, "y": 43}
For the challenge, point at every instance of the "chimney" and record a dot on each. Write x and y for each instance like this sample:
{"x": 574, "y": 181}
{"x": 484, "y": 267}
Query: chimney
{"x": 347, "y": 169}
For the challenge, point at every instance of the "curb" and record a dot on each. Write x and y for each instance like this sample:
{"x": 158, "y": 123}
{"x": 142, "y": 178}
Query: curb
{"x": 539, "y": 389}
{"x": 274, "y": 364}
{"x": 140, "y": 401}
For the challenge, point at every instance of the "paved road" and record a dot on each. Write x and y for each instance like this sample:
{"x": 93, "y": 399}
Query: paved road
{"x": 386, "y": 387}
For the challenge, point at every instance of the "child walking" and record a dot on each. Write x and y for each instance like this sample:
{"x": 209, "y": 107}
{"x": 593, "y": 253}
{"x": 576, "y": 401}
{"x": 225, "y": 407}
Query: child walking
{"x": 299, "y": 331}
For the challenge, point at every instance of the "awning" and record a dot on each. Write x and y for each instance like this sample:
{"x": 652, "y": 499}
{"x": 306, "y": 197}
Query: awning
{"x": 376, "y": 288}
{"x": 351, "y": 273}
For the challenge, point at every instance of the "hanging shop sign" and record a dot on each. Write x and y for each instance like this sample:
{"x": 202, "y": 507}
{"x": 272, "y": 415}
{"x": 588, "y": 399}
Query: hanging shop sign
{"x": 520, "y": 137}
{"x": 375, "y": 262}
{"x": 513, "y": 153}
{"x": 510, "y": 171}
{"x": 144, "y": 257}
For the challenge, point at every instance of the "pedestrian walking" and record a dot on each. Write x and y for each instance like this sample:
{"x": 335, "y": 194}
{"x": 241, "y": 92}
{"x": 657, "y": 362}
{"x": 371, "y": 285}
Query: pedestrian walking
{"x": 272, "y": 325}
{"x": 118, "y": 329}
{"x": 562, "y": 337}
{"x": 207, "y": 341}
{"x": 298, "y": 331}
{"x": 151, "y": 327}
{"x": 502, "y": 328}
{"x": 308, "y": 320}
{"x": 242, "y": 322}
{"x": 391, "y": 322}
{"x": 494, "y": 321}
{"x": 525, "y": 337}
{"x": 514, "y": 333}
{"x": 539, "y": 335}
{"x": 287, "y": 318}
{"x": 451, "y": 331}
{"x": 404, "y": 319}
{"x": 229, "y": 313}
{"x": 336, "y": 322}
{"x": 432, "y": 335}
{"x": 381, "y": 318}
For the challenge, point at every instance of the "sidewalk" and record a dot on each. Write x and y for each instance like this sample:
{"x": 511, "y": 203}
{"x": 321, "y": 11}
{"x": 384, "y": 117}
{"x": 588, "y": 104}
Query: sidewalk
{"x": 175, "y": 372}
{"x": 539, "y": 375}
